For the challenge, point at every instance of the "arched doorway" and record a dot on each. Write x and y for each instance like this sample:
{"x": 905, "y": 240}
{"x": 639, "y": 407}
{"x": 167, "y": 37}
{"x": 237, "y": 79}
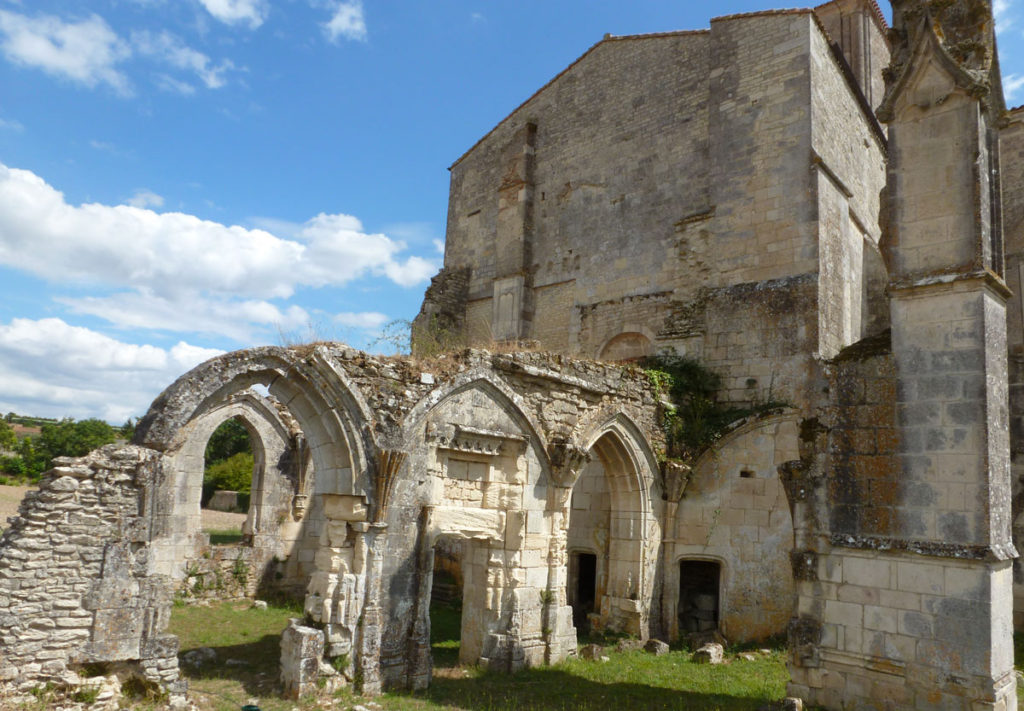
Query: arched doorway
{"x": 608, "y": 584}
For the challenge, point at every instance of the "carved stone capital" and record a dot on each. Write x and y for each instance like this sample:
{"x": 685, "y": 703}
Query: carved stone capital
{"x": 567, "y": 461}
{"x": 674, "y": 477}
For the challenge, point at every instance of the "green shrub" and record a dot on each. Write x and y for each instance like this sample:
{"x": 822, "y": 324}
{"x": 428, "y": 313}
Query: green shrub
{"x": 232, "y": 474}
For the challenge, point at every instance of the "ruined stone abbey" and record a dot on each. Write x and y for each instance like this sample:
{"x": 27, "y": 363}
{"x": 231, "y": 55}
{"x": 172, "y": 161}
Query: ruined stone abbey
{"x": 825, "y": 211}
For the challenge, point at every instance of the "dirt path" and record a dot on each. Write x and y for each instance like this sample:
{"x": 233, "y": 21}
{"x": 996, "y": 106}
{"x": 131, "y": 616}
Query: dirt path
{"x": 10, "y": 497}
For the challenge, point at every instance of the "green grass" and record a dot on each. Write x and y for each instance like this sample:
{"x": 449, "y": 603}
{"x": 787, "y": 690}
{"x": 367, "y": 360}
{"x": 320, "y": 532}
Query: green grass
{"x": 632, "y": 680}
{"x": 236, "y": 631}
{"x": 225, "y": 537}
{"x": 445, "y": 631}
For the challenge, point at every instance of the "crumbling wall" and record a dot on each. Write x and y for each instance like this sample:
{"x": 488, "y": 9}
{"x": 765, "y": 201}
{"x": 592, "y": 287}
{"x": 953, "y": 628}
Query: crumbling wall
{"x": 476, "y": 450}
{"x": 756, "y": 336}
{"x": 734, "y": 511}
{"x": 75, "y": 586}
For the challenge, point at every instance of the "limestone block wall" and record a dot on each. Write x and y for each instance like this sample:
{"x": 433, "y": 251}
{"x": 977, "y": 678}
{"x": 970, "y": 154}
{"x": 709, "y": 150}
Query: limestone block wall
{"x": 914, "y": 617}
{"x": 755, "y": 336}
{"x": 735, "y": 512}
{"x": 590, "y": 207}
{"x": 849, "y": 153}
{"x": 75, "y": 586}
{"x": 760, "y": 140}
{"x": 1011, "y": 160}
{"x": 859, "y": 27}
{"x": 1012, "y": 170}
{"x": 866, "y": 485}
{"x": 762, "y": 234}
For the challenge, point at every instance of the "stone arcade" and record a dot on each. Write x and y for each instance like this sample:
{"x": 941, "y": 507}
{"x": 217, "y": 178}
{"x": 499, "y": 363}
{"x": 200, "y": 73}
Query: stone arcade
{"x": 810, "y": 255}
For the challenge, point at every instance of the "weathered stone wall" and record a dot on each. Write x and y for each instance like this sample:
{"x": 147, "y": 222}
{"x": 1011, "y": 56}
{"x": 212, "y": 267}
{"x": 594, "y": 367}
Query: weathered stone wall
{"x": 1012, "y": 173}
{"x": 902, "y": 493}
{"x": 734, "y": 511}
{"x": 849, "y": 152}
{"x": 859, "y": 27}
{"x": 75, "y": 586}
{"x": 763, "y": 233}
{"x": 584, "y": 202}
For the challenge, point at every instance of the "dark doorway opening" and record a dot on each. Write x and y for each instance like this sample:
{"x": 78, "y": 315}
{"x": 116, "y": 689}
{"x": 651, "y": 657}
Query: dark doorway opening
{"x": 698, "y": 595}
{"x": 583, "y": 586}
{"x": 446, "y": 603}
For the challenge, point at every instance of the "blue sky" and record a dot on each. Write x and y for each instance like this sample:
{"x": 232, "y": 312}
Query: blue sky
{"x": 184, "y": 177}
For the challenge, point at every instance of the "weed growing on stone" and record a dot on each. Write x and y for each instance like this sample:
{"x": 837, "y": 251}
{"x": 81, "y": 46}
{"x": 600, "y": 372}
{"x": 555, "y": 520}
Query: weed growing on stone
{"x": 693, "y": 419}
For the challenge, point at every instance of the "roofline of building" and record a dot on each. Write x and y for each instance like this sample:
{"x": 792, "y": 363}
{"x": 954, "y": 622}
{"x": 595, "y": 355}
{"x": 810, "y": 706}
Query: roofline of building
{"x": 872, "y": 119}
{"x": 606, "y": 39}
{"x": 763, "y": 13}
{"x": 876, "y": 11}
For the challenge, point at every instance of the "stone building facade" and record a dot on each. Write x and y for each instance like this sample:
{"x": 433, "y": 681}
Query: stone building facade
{"x": 713, "y": 194}
{"x": 854, "y": 272}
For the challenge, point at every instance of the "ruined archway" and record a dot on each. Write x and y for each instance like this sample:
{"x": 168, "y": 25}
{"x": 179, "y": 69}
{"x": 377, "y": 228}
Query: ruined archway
{"x": 483, "y": 465}
{"x": 283, "y": 519}
{"x": 328, "y": 408}
{"x": 607, "y": 512}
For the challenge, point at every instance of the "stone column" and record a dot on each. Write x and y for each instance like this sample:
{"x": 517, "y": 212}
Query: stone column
{"x": 559, "y": 633}
{"x": 948, "y": 306}
{"x": 915, "y": 597}
{"x": 373, "y": 614}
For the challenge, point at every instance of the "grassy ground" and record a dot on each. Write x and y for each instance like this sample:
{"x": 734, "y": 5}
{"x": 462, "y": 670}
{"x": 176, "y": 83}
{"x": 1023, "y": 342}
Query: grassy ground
{"x": 224, "y": 537}
{"x": 246, "y": 641}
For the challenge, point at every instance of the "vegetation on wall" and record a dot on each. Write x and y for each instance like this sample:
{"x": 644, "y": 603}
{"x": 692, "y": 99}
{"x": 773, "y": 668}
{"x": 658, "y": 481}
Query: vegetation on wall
{"x": 692, "y": 418}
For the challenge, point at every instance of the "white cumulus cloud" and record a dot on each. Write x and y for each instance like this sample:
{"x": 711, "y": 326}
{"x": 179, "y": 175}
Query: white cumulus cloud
{"x": 1012, "y": 84}
{"x": 50, "y": 368}
{"x": 233, "y": 12}
{"x": 86, "y": 52}
{"x": 165, "y": 47}
{"x": 347, "y": 22}
{"x": 145, "y": 198}
{"x": 192, "y": 311}
{"x": 173, "y": 271}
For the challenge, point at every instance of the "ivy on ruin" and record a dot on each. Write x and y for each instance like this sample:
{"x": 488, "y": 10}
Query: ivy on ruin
{"x": 692, "y": 418}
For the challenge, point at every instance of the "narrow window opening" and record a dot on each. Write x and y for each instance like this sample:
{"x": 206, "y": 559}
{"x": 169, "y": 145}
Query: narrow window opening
{"x": 746, "y": 474}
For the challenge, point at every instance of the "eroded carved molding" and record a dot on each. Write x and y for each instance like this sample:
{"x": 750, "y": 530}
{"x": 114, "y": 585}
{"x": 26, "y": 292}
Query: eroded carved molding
{"x": 476, "y": 440}
{"x": 675, "y": 476}
{"x": 567, "y": 460}
{"x": 956, "y": 37}
{"x": 389, "y": 462}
